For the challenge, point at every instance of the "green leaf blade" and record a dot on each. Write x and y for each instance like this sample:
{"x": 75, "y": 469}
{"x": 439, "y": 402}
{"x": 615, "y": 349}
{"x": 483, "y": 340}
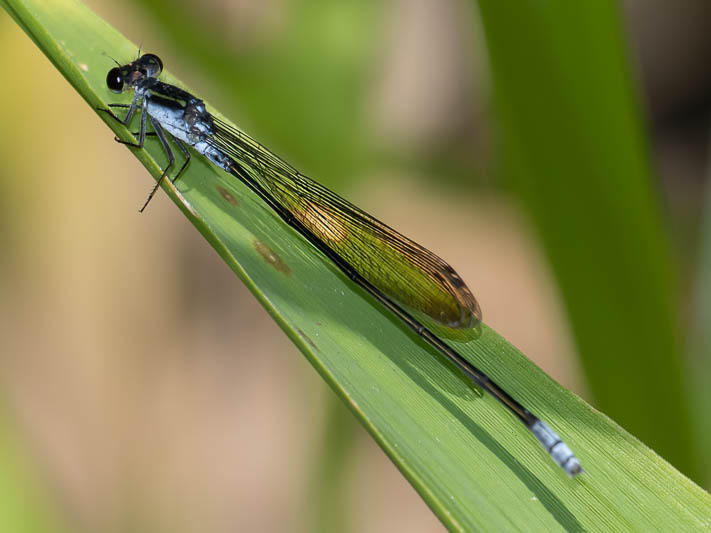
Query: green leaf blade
{"x": 473, "y": 463}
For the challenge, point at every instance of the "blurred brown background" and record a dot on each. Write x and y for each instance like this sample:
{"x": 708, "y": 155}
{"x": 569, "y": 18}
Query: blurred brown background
{"x": 151, "y": 391}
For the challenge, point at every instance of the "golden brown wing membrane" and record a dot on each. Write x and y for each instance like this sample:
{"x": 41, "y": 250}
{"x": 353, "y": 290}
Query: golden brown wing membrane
{"x": 398, "y": 267}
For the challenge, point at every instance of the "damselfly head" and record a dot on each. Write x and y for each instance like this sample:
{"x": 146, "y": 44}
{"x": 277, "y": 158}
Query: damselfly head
{"x": 125, "y": 77}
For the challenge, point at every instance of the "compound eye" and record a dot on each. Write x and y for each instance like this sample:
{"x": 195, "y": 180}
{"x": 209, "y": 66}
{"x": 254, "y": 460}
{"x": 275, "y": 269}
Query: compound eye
{"x": 156, "y": 63}
{"x": 114, "y": 80}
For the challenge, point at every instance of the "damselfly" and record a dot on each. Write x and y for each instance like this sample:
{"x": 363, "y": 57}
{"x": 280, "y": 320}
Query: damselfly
{"x": 392, "y": 269}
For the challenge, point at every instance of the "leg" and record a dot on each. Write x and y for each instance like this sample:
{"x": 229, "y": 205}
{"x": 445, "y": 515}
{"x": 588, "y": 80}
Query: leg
{"x": 111, "y": 113}
{"x": 131, "y": 109}
{"x": 142, "y": 132}
{"x": 186, "y": 153}
{"x": 171, "y": 159}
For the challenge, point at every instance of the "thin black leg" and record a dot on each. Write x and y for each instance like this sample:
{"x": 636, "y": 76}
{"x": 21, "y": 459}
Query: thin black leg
{"x": 142, "y": 132}
{"x": 186, "y": 153}
{"x": 171, "y": 159}
{"x": 131, "y": 109}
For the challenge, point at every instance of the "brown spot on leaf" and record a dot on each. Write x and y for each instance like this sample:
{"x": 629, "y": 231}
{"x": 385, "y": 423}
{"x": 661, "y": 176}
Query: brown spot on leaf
{"x": 271, "y": 257}
{"x": 227, "y": 195}
{"x": 307, "y": 338}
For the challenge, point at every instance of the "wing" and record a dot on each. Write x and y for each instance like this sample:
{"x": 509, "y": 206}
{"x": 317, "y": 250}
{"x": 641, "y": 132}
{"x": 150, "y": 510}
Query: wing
{"x": 398, "y": 267}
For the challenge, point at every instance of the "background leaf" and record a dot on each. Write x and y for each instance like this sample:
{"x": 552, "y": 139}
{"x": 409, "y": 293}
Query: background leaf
{"x": 578, "y": 158}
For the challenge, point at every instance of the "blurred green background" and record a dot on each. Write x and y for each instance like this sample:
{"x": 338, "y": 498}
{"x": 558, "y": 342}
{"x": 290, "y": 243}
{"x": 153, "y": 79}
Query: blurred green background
{"x": 555, "y": 156}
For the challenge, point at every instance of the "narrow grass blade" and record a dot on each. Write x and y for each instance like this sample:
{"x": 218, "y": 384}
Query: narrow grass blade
{"x": 472, "y": 462}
